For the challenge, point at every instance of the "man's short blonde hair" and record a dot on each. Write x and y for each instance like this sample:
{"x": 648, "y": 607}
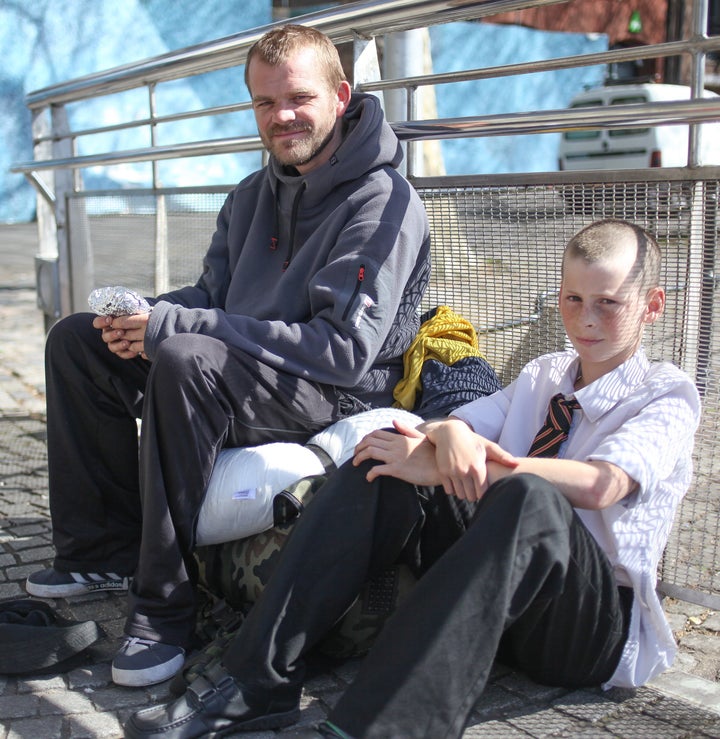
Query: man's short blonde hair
{"x": 603, "y": 239}
{"x": 276, "y": 46}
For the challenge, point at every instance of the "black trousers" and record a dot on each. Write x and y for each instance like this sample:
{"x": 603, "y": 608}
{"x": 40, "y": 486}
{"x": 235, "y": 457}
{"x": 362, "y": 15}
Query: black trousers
{"x": 119, "y": 505}
{"x": 526, "y": 581}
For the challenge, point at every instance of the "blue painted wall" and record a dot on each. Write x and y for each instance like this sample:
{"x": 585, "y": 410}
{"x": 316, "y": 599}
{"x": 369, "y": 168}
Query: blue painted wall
{"x": 469, "y": 45}
{"x": 49, "y": 41}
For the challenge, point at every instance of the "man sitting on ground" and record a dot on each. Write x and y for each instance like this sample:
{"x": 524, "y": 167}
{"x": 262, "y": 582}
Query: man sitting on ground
{"x": 307, "y": 301}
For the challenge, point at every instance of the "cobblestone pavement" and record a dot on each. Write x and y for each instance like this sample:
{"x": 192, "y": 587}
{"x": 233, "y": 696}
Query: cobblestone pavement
{"x": 83, "y": 702}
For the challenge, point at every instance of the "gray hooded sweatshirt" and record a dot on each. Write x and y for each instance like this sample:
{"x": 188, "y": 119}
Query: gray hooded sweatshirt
{"x": 320, "y": 275}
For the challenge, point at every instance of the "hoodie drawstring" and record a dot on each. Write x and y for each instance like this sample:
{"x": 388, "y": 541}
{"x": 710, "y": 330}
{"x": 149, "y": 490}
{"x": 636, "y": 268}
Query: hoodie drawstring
{"x": 274, "y": 240}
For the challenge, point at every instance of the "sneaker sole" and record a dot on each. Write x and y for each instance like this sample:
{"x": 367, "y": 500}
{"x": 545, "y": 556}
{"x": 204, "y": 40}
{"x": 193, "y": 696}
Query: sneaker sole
{"x": 76, "y": 588}
{"x": 148, "y": 676}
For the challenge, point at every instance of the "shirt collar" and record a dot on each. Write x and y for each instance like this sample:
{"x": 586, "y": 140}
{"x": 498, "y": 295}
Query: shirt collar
{"x": 599, "y": 397}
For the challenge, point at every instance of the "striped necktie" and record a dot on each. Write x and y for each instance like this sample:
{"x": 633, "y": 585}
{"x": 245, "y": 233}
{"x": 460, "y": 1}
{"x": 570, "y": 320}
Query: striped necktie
{"x": 556, "y": 427}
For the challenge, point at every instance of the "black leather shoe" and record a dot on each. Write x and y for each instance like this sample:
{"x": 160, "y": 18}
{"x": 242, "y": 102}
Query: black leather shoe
{"x": 213, "y": 705}
{"x": 324, "y": 730}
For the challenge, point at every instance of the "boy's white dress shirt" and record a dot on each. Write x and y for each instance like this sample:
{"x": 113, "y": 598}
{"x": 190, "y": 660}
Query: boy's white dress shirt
{"x": 641, "y": 417}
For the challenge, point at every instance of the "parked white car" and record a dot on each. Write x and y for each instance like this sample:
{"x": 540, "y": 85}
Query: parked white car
{"x": 635, "y": 148}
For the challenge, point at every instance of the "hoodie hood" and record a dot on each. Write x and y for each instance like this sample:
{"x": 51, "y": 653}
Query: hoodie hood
{"x": 369, "y": 142}
{"x": 318, "y": 275}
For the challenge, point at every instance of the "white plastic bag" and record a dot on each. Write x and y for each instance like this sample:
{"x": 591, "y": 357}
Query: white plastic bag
{"x": 340, "y": 439}
{"x": 239, "y": 498}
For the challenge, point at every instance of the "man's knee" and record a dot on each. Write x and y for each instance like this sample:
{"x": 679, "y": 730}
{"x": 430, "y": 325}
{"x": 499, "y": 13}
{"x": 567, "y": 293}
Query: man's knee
{"x": 76, "y": 326}
{"x": 72, "y": 343}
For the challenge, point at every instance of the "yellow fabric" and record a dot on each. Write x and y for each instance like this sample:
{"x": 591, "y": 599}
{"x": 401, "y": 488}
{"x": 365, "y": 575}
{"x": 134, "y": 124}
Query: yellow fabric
{"x": 446, "y": 337}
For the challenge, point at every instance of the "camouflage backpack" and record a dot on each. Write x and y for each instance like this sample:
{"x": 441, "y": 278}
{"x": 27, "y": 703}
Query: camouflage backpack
{"x": 238, "y": 571}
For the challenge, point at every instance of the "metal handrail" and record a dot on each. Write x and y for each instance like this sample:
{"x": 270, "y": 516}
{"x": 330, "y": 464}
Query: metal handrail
{"x": 342, "y": 24}
{"x": 551, "y": 121}
{"x": 668, "y": 49}
{"x": 154, "y": 121}
{"x": 613, "y": 56}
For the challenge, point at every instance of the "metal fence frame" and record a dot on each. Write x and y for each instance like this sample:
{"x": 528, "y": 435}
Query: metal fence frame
{"x": 55, "y": 170}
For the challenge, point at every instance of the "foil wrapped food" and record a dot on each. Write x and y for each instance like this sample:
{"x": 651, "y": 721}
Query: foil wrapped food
{"x": 117, "y": 301}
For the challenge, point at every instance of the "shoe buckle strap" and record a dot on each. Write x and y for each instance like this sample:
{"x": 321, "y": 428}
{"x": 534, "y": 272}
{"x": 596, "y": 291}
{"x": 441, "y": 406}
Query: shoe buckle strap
{"x": 202, "y": 689}
{"x": 205, "y": 689}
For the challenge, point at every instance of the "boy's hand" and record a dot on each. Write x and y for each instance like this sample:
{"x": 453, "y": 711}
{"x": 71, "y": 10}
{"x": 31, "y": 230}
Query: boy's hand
{"x": 450, "y": 454}
{"x": 406, "y": 455}
{"x": 462, "y": 457}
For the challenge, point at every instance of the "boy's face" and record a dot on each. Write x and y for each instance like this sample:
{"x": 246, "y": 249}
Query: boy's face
{"x": 604, "y": 311}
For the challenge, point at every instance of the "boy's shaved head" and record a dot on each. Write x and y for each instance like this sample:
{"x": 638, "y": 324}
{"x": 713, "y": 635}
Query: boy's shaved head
{"x": 608, "y": 238}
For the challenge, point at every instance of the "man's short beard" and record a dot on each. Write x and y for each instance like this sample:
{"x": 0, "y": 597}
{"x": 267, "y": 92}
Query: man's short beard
{"x": 319, "y": 149}
{"x": 286, "y": 157}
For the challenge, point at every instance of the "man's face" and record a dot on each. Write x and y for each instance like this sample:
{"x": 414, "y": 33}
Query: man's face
{"x": 604, "y": 311}
{"x": 297, "y": 113}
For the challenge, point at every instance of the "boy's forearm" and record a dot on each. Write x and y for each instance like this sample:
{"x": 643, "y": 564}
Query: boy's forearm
{"x": 590, "y": 485}
{"x": 434, "y": 425}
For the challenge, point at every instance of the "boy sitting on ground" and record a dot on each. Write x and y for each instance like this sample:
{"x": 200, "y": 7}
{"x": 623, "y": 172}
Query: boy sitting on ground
{"x": 555, "y": 573}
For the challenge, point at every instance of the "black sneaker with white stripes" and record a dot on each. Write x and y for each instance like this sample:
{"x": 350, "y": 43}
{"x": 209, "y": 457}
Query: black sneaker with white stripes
{"x": 51, "y": 583}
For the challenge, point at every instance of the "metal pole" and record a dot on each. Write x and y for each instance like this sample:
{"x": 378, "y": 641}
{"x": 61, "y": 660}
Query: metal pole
{"x": 162, "y": 252}
{"x": 404, "y": 58}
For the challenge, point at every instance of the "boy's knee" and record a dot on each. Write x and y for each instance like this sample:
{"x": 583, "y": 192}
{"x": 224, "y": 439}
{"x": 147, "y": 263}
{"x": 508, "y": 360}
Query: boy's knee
{"x": 528, "y": 494}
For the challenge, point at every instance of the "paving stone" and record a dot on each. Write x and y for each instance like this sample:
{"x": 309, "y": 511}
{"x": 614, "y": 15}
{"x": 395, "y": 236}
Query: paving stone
{"x": 94, "y": 726}
{"x": 545, "y": 722}
{"x": 682, "y": 714}
{"x": 113, "y": 697}
{"x": 596, "y": 732}
{"x": 522, "y": 685}
{"x": 707, "y": 651}
{"x": 36, "y": 554}
{"x": 712, "y": 622}
{"x": 20, "y": 573}
{"x": 31, "y": 529}
{"x": 494, "y": 701}
{"x": 65, "y": 702}
{"x": 677, "y": 621}
{"x": 46, "y": 727}
{"x": 40, "y": 684}
{"x": 18, "y": 706}
{"x": 320, "y": 683}
{"x": 640, "y": 726}
{"x": 17, "y": 544}
{"x": 89, "y": 677}
{"x": 672, "y": 605}
{"x": 493, "y": 729}
{"x": 712, "y": 730}
{"x": 11, "y": 590}
{"x": 587, "y": 706}
{"x": 98, "y": 609}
